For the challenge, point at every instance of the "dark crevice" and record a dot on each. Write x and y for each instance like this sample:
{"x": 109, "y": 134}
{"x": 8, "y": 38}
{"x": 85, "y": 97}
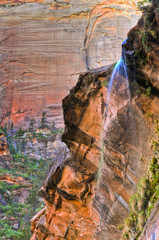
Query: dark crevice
{"x": 65, "y": 235}
{"x": 66, "y": 195}
{"x": 145, "y": 84}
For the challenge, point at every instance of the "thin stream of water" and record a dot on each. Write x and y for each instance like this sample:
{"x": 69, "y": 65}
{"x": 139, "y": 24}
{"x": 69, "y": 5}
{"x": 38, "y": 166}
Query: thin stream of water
{"x": 120, "y": 74}
{"x": 119, "y": 83}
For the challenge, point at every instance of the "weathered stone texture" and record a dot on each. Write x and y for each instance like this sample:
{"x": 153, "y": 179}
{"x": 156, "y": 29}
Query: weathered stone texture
{"x": 44, "y": 45}
{"x": 87, "y": 197}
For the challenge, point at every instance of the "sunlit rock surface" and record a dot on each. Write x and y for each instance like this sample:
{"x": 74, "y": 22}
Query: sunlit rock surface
{"x": 44, "y": 45}
{"x": 87, "y": 196}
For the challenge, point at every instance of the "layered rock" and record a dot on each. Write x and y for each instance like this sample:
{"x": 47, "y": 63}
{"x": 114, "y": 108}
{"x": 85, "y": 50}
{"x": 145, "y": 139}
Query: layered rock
{"x": 71, "y": 186}
{"x": 143, "y": 44}
{"x": 87, "y": 197}
{"x": 46, "y": 44}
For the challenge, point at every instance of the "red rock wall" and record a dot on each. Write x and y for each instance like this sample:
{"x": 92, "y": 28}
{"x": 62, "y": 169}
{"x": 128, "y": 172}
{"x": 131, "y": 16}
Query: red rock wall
{"x": 20, "y": 1}
{"x": 87, "y": 196}
{"x": 45, "y": 46}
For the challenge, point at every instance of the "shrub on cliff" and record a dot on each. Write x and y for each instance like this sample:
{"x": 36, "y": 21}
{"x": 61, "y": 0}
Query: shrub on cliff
{"x": 143, "y": 201}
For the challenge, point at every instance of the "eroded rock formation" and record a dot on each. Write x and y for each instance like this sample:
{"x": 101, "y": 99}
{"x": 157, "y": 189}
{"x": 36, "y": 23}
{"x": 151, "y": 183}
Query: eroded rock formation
{"x": 87, "y": 190}
{"x": 87, "y": 196}
{"x": 46, "y": 44}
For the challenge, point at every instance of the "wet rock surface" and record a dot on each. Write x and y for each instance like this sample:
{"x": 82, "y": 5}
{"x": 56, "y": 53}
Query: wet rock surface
{"x": 88, "y": 196}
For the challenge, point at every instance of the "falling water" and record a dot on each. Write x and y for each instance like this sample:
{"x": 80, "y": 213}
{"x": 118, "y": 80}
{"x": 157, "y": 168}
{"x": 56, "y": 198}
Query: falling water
{"x": 119, "y": 88}
{"x": 119, "y": 76}
{"x": 118, "y": 134}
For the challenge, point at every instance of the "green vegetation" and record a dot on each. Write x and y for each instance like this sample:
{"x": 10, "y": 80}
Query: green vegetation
{"x": 20, "y": 132}
{"x": 143, "y": 201}
{"x": 142, "y": 3}
{"x": 105, "y": 83}
{"x": 147, "y": 92}
{"x": 145, "y": 38}
{"x": 43, "y": 120}
{"x": 8, "y": 232}
{"x": 35, "y": 173}
{"x": 32, "y": 170}
{"x": 31, "y": 126}
{"x": 4, "y": 130}
{"x": 141, "y": 57}
{"x": 147, "y": 34}
{"x": 57, "y": 131}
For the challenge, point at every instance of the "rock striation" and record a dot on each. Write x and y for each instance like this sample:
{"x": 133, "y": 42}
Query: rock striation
{"x": 87, "y": 197}
{"x": 46, "y": 44}
{"x": 88, "y": 188}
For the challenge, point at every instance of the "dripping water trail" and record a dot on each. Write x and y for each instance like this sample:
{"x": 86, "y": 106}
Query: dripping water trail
{"x": 118, "y": 97}
{"x": 119, "y": 77}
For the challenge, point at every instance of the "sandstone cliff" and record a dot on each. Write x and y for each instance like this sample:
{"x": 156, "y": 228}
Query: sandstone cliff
{"x": 83, "y": 203}
{"x": 87, "y": 196}
{"x": 46, "y": 44}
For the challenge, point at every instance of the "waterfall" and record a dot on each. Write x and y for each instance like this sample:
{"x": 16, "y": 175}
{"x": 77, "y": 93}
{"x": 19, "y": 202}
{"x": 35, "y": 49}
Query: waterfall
{"x": 118, "y": 77}
{"x": 118, "y": 85}
{"x": 119, "y": 100}
{"x": 119, "y": 90}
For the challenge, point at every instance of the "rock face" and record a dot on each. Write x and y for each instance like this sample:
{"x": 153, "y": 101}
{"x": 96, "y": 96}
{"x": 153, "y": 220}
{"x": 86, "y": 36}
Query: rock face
{"x": 46, "y": 44}
{"x": 151, "y": 229}
{"x": 87, "y": 196}
{"x": 143, "y": 41}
